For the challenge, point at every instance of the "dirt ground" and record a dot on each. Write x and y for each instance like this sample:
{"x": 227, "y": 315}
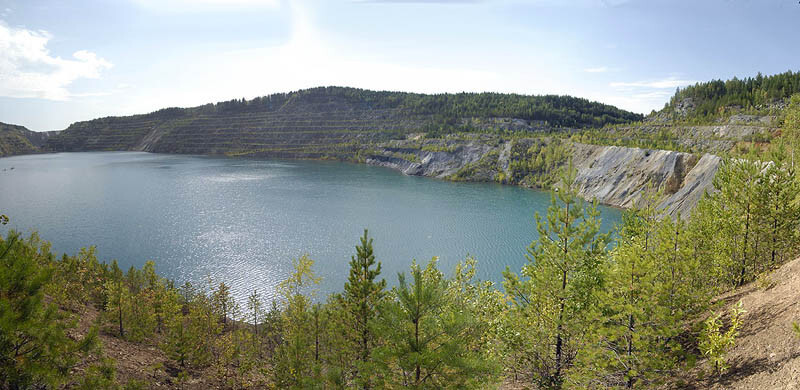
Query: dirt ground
{"x": 144, "y": 363}
{"x": 767, "y": 352}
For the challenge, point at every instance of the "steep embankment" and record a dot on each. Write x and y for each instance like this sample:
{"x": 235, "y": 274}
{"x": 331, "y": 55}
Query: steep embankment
{"x": 15, "y": 140}
{"x": 614, "y": 175}
{"x": 619, "y": 176}
{"x": 767, "y": 351}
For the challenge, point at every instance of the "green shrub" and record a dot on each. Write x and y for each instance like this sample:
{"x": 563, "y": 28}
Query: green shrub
{"x": 715, "y": 344}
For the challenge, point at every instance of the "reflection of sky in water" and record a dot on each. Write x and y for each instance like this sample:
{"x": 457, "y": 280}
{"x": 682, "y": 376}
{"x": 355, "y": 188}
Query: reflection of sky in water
{"x": 242, "y": 221}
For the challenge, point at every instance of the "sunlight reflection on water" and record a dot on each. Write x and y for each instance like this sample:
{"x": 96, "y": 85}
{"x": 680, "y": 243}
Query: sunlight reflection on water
{"x": 242, "y": 221}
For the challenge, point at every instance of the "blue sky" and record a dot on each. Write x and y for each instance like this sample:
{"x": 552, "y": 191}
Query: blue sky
{"x": 67, "y": 60}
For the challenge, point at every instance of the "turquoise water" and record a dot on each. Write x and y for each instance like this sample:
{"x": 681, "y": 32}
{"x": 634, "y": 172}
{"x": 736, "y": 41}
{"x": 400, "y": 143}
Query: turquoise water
{"x": 242, "y": 221}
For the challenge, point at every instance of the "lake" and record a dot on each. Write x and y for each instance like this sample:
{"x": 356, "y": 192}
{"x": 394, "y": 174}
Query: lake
{"x": 242, "y": 221}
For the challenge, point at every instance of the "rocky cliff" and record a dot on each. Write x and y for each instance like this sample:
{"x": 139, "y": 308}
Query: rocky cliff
{"x": 613, "y": 175}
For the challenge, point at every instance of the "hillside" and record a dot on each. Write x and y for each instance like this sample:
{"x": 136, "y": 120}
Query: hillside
{"x": 712, "y": 117}
{"x": 718, "y": 99}
{"x": 327, "y": 122}
{"x": 767, "y": 351}
{"x": 16, "y": 140}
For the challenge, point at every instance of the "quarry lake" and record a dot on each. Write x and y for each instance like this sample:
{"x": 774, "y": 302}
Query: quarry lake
{"x": 243, "y": 221}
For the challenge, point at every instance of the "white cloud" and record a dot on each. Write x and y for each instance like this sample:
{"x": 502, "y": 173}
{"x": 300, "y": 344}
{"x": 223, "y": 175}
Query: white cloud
{"x": 27, "y": 69}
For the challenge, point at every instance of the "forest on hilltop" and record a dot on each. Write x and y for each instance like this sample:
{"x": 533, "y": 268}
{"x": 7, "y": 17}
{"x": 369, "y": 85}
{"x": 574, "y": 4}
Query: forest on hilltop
{"x": 715, "y": 98}
{"x": 557, "y": 111}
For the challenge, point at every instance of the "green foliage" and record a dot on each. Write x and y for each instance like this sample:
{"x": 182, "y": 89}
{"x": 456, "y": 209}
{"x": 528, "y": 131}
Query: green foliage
{"x": 538, "y": 164}
{"x": 223, "y": 303}
{"x": 17, "y": 140}
{"x": 296, "y": 365}
{"x": 428, "y": 336}
{"x": 361, "y": 297}
{"x": 715, "y": 343}
{"x": 791, "y": 127}
{"x": 34, "y": 348}
{"x": 633, "y": 137}
{"x": 791, "y": 120}
{"x": 78, "y": 280}
{"x": 634, "y": 340}
{"x": 712, "y": 99}
{"x": 556, "y": 302}
{"x": 102, "y": 375}
{"x": 329, "y": 122}
{"x": 136, "y": 303}
{"x": 755, "y": 213}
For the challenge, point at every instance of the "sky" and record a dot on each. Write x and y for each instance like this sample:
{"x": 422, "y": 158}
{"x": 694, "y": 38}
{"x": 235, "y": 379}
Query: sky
{"x": 63, "y": 61}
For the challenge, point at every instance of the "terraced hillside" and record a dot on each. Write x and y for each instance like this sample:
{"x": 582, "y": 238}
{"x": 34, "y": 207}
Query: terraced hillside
{"x": 328, "y": 122}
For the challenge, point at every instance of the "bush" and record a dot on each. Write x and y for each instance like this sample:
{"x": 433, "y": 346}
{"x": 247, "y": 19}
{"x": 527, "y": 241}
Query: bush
{"x": 715, "y": 344}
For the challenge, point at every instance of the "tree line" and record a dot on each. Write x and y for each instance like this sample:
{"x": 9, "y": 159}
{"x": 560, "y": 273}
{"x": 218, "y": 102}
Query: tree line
{"x": 444, "y": 108}
{"x": 713, "y": 98}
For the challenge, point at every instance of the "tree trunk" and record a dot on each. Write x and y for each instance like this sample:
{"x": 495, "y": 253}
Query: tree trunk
{"x": 418, "y": 371}
{"x": 119, "y": 307}
{"x": 774, "y": 236}
{"x": 630, "y": 381}
{"x": 560, "y": 328}
{"x": 744, "y": 245}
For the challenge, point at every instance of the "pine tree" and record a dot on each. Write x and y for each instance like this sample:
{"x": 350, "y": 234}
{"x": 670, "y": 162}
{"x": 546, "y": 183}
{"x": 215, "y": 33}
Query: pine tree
{"x": 255, "y": 309}
{"x": 362, "y": 295}
{"x": 35, "y": 351}
{"x": 118, "y": 301}
{"x": 625, "y": 350}
{"x": 780, "y": 214}
{"x": 791, "y": 128}
{"x": 223, "y": 302}
{"x": 294, "y": 365}
{"x": 177, "y": 343}
{"x": 563, "y": 275}
{"x": 429, "y": 340}
{"x": 737, "y": 181}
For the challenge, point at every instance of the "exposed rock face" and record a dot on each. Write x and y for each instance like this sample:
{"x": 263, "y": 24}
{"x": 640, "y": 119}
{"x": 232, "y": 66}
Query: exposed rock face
{"x": 433, "y": 164}
{"x": 613, "y": 175}
{"x": 619, "y": 176}
{"x": 697, "y": 181}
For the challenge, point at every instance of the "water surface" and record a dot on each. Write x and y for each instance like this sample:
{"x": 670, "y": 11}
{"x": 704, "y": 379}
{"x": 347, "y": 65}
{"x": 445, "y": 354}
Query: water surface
{"x": 242, "y": 221}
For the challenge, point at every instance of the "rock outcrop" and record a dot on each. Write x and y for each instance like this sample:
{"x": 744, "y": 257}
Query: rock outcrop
{"x": 613, "y": 175}
{"x": 619, "y": 176}
{"x": 439, "y": 164}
